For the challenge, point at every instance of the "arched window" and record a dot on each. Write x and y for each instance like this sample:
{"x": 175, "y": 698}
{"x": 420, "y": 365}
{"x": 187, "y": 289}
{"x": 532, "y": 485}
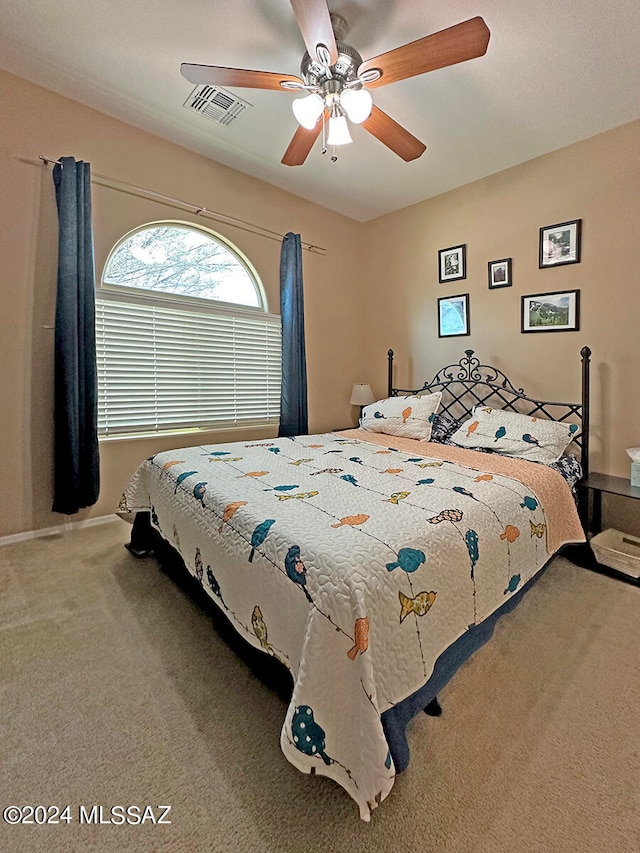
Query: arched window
{"x": 183, "y": 336}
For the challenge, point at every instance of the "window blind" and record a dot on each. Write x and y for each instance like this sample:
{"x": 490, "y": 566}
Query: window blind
{"x": 163, "y": 368}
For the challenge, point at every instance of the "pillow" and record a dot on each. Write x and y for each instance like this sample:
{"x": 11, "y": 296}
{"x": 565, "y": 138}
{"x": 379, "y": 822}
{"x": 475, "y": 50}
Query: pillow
{"x": 407, "y": 417}
{"x": 524, "y": 436}
{"x": 571, "y": 470}
{"x": 443, "y": 427}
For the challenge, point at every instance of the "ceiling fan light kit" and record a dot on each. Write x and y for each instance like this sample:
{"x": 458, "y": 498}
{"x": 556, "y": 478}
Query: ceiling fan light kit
{"x": 334, "y": 76}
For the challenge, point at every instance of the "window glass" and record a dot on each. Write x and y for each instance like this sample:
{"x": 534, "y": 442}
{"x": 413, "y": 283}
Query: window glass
{"x": 183, "y": 261}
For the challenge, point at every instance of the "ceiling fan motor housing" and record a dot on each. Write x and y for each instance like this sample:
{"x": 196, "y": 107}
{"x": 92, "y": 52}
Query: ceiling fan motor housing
{"x": 345, "y": 69}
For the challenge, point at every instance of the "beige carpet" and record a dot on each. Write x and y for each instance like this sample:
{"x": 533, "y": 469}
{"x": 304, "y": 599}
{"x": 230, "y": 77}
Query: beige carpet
{"x": 116, "y": 689}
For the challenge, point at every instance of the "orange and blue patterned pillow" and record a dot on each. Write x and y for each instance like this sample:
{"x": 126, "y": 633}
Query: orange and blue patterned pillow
{"x": 406, "y": 417}
{"x": 524, "y": 436}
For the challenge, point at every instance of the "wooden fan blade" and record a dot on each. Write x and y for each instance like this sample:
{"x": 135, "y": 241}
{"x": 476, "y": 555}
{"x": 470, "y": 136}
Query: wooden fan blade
{"x": 447, "y": 47}
{"x": 216, "y": 75}
{"x": 301, "y": 145}
{"x": 393, "y": 135}
{"x": 314, "y": 22}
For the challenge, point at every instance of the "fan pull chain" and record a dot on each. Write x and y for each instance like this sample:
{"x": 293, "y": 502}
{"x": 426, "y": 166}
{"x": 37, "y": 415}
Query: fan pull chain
{"x": 324, "y": 144}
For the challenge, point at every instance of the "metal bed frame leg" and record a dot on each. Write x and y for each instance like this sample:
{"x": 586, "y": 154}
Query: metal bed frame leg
{"x": 140, "y": 543}
{"x": 434, "y": 708}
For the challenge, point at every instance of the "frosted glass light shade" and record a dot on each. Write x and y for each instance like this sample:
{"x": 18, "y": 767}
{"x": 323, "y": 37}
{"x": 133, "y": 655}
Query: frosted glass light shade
{"x": 357, "y": 104}
{"x": 361, "y": 395}
{"x": 338, "y": 131}
{"x": 308, "y": 110}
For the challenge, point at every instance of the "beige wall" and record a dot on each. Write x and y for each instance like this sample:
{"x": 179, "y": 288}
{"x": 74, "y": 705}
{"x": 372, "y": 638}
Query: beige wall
{"x": 597, "y": 180}
{"x": 35, "y": 121}
{"x": 386, "y": 268}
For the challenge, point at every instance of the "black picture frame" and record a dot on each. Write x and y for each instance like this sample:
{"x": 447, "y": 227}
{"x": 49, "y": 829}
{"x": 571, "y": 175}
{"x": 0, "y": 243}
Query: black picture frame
{"x": 452, "y": 263}
{"x": 453, "y": 316}
{"x": 560, "y": 244}
{"x": 499, "y": 273}
{"x": 557, "y": 311}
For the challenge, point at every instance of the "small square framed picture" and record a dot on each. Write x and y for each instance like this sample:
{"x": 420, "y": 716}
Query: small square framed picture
{"x": 500, "y": 273}
{"x": 452, "y": 263}
{"x": 551, "y": 312}
{"x": 560, "y": 244}
{"x": 453, "y": 316}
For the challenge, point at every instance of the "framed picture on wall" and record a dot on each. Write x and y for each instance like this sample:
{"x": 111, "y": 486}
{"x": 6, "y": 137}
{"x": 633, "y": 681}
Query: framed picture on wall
{"x": 551, "y": 312}
{"x": 452, "y": 263}
{"x": 560, "y": 244}
{"x": 500, "y": 273}
{"x": 453, "y": 316}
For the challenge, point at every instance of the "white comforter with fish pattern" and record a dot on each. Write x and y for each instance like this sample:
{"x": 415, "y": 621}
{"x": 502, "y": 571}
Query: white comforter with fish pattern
{"x": 356, "y": 559}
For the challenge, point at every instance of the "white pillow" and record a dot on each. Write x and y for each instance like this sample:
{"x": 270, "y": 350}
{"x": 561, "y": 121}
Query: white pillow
{"x": 513, "y": 434}
{"x": 407, "y": 417}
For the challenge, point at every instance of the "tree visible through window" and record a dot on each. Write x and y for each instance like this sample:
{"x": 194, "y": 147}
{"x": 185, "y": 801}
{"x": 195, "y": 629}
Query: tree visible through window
{"x": 183, "y": 337}
{"x": 180, "y": 260}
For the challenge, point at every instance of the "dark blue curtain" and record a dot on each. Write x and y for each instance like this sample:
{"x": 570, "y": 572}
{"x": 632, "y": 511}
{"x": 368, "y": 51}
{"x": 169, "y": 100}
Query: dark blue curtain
{"x": 293, "y": 399}
{"x": 76, "y": 461}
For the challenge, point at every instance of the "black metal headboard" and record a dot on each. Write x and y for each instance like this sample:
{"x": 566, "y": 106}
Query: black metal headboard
{"x": 469, "y": 383}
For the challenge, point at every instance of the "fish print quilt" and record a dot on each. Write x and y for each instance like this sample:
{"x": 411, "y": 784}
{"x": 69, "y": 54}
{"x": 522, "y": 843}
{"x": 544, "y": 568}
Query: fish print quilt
{"x": 356, "y": 559}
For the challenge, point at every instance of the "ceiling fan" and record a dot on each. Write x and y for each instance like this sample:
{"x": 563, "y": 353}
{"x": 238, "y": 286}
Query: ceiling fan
{"x": 336, "y": 80}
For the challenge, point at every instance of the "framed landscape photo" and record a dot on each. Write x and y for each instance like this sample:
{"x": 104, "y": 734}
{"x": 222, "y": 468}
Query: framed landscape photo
{"x": 452, "y": 263}
{"x": 551, "y": 312}
{"x": 500, "y": 273}
{"x": 560, "y": 244}
{"x": 453, "y": 316}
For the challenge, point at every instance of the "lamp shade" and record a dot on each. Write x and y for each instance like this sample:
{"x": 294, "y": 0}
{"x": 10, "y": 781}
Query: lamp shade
{"x": 361, "y": 395}
{"x": 308, "y": 110}
{"x": 338, "y": 131}
{"x": 357, "y": 104}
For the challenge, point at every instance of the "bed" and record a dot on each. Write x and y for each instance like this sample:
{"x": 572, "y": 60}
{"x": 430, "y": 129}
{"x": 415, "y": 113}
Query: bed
{"x": 370, "y": 562}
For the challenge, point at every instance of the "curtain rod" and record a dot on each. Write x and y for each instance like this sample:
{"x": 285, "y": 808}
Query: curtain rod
{"x": 199, "y": 210}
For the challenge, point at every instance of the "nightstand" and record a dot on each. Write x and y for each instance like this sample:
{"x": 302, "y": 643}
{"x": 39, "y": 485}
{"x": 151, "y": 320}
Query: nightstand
{"x": 591, "y": 491}
{"x": 594, "y": 485}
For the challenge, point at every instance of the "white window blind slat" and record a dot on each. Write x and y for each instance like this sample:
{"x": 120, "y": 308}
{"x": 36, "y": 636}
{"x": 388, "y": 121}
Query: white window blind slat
{"x": 162, "y": 368}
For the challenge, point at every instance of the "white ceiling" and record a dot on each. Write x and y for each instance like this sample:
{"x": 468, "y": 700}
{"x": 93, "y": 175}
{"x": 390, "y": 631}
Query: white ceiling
{"x": 554, "y": 73}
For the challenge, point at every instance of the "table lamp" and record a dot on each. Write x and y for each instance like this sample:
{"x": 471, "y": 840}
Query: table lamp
{"x": 361, "y": 395}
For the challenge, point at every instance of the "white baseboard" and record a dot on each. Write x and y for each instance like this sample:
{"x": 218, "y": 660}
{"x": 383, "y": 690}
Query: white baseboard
{"x": 67, "y": 527}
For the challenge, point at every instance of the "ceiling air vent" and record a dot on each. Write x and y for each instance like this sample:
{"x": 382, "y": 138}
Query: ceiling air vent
{"x": 216, "y": 104}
